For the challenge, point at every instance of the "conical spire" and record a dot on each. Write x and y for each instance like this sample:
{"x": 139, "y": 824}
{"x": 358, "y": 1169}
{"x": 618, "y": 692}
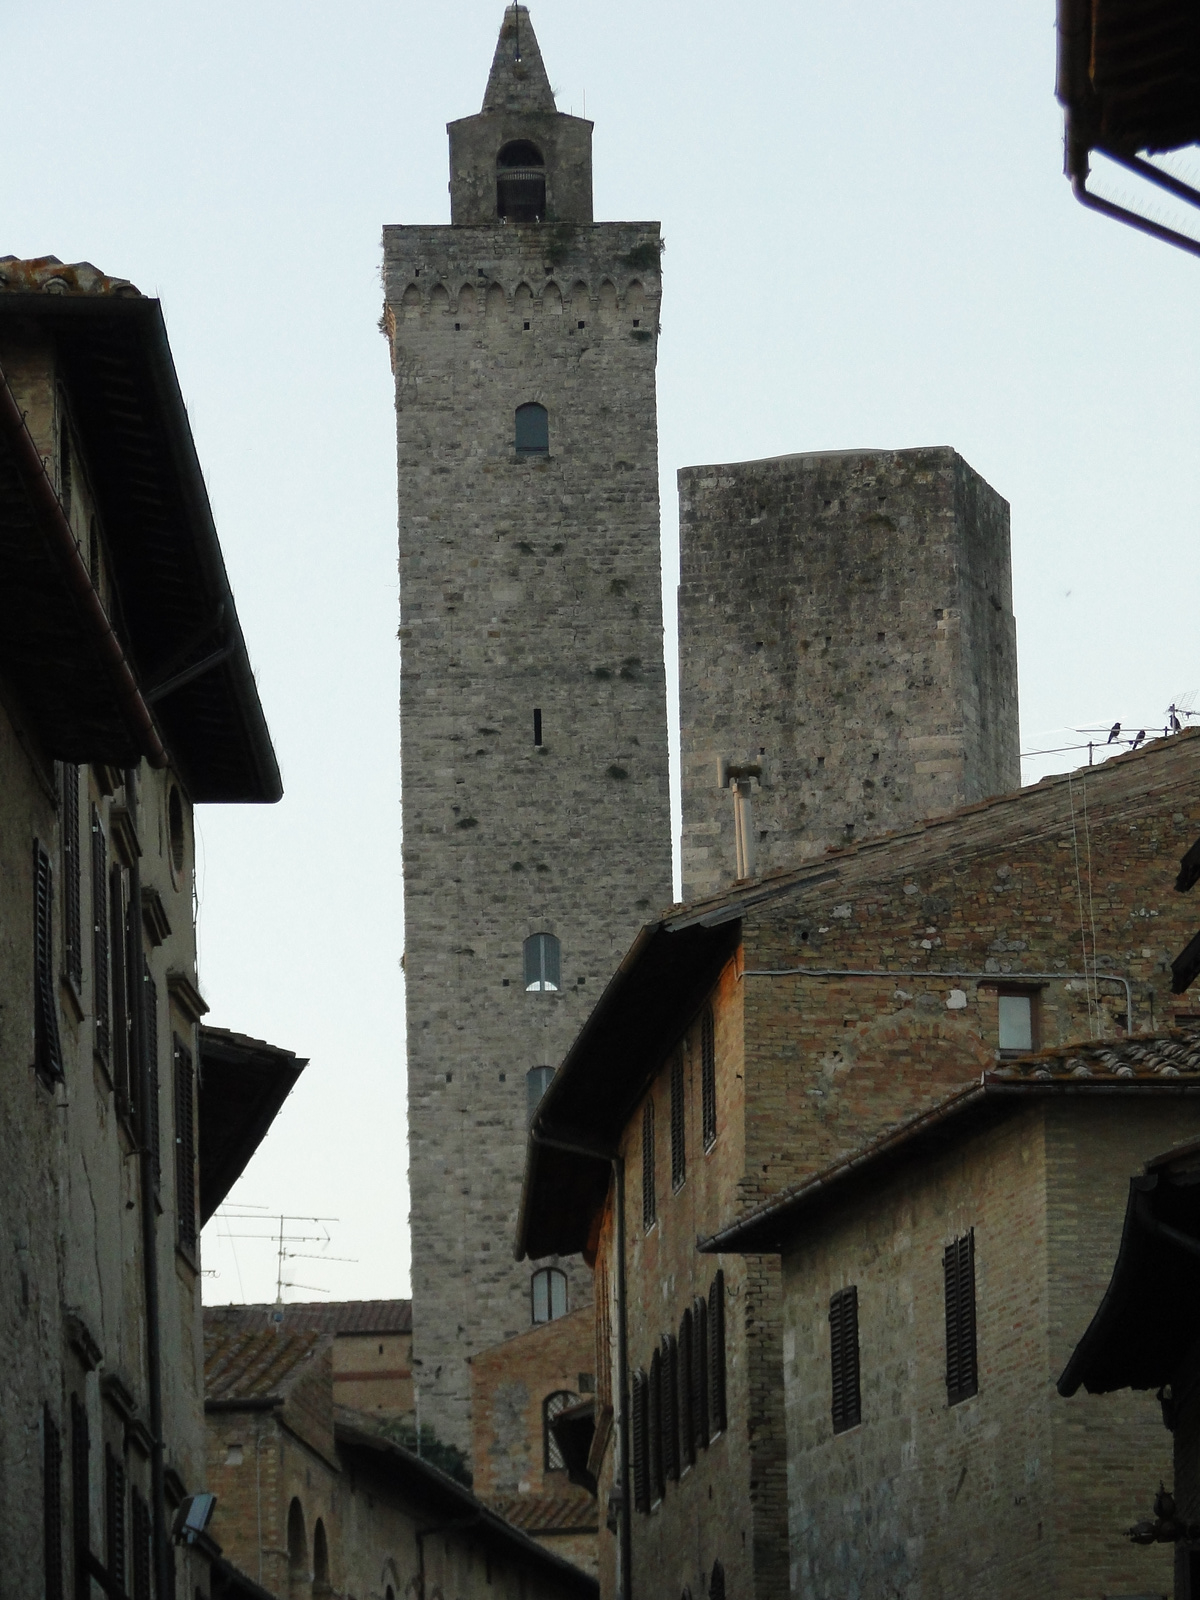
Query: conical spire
{"x": 518, "y": 80}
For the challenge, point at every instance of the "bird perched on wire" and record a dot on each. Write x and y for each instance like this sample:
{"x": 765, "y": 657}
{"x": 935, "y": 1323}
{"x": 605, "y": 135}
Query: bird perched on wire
{"x": 1113, "y": 732}
{"x": 1176, "y": 725}
{"x": 1137, "y": 741}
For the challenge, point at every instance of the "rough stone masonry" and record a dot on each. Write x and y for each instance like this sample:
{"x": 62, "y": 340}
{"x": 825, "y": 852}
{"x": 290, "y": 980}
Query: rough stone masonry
{"x": 533, "y": 700}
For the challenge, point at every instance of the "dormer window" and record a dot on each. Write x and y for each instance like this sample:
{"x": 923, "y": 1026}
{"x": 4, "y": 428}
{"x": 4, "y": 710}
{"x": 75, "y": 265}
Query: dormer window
{"x": 520, "y": 183}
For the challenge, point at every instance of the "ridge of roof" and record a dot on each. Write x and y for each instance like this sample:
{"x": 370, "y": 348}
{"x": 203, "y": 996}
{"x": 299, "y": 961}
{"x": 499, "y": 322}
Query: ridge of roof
{"x": 316, "y": 1316}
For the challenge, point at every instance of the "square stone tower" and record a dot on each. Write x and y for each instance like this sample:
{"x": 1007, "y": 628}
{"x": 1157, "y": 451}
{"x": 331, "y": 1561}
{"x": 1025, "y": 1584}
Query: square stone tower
{"x": 533, "y": 699}
{"x": 847, "y": 653}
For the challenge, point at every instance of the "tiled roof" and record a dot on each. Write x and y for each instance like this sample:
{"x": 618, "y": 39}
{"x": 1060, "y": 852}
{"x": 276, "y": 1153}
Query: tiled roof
{"x": 244, "y": 1365}
{"x": 322, "y": 1316}
{"x": 49, "y": 275}
{"x": 1173, "y": 1054}
{"x": 548, "y": 1513}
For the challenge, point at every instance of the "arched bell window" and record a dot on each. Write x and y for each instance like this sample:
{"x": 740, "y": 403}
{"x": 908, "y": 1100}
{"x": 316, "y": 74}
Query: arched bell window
{"x": 543, "y": 963}
{"x": 520, "y": 183}
{"x": 532, "y": 430}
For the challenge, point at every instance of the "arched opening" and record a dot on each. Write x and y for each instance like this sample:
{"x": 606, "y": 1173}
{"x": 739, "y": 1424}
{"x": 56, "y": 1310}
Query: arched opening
{"x": 297, "y": 1549}
{"x": 532, "y": 437}
{"x": 553, "y": 1406}
{"x": 320, "y": 1561}
{"x": 548, "y": 1291}
{"x": 520, "y": 183}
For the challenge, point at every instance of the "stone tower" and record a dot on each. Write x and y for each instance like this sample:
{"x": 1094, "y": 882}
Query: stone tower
{"x": 533, "y": 699}
{"x": 847, "y": 653}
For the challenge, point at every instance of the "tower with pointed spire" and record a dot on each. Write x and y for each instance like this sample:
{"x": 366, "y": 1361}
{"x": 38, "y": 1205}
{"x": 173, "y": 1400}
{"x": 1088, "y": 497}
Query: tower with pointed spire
{"x": 533, "y": 700}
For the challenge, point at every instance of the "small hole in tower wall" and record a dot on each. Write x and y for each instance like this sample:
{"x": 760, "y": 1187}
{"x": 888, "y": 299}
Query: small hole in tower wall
{"x": 537, "y": 726}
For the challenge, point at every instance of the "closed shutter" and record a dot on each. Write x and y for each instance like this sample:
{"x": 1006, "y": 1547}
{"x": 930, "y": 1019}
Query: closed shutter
{"x": 100, "y": 998}
{"x": 716, "y": 1345}
{"x": 687, "y": 1427}
{"x": 678, "y": 1124}
{"x": 843, "y": 1350}
{"x": 185, "y": 1147}
{"x": 47, "y": 1046}
{"x": 700, "y": 1373}
{"x": 72, "y": 931}
{"x": 658, "y": 1484}
{"x": 52, "y": 1505}
{"x": 708, "y": 1079}
{"x": 670, "y": 1406}
{"x": 120, "y": 991}
{"x": 140, "y": 1547}
{"x": 958, "y": 1266}
{"x": 80, "y": 1497}
{"x": 641, "y": 1463}
{"x": 649, "y": 1197}
{"x": 114, "y": 1516}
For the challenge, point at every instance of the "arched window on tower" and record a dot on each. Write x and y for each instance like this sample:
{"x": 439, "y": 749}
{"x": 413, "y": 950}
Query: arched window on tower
{"x": 553, "y": 1406}
{"x": 548, "y": 1291}
{"x": 520, "y": 183}
{"x": 543, "y": 963}
{"x": 532, "y": 430}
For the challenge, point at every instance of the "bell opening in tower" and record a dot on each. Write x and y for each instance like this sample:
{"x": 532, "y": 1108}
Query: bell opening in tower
{"x": 520, "y": 183}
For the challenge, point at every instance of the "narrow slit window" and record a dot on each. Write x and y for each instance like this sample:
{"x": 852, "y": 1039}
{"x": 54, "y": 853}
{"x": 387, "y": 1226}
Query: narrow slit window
{"x": 962, "y": 1371}
{"x": 548, "y": 1293}
{"x": 846, "y": 1400}
{"x": 649, "y": 1197}
{"x": 678, "y": 1124}
{"x": 543, "y": 964}
{"x": 537, "y": 725}
{"x": 708, "y": 1079}
{"x": 532, "y": 430}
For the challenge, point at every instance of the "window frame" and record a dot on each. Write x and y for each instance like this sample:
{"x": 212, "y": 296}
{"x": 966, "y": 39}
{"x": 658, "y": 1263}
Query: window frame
{"x": 48, "y": 1056}
{"x": 531, "y": 441}
{"x": 551, "y": 1277}
{"x": 72, "y": 881}
{"x": 1019, "y": 991}
{"x": 962, "y": 1348}
{"x": 649, "y": 1186}
{"x": 542, "y": 974}
{"x": 845, "y": 1366}
{"x": 550, "y": 1445}
{"x": 187, "y": 1222}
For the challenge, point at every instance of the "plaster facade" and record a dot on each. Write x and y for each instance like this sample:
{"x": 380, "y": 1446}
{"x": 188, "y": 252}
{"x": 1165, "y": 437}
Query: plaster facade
{"x": 846, "y": 645}
{"x": 533, "y": 701}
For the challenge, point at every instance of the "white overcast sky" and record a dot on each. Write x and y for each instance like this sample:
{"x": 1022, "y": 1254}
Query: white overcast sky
{"x": 869, "y": 242}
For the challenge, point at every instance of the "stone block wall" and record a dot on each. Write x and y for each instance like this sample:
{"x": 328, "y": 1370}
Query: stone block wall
{"x": 528, "y": 584}
{"x": 846, "y": 638}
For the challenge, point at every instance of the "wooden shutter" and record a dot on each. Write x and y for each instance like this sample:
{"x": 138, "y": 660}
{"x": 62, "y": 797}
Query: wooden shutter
{"x": 185, "y": 1147}
{"x": 649, "y": 1198}
{"x": 708, "y": 1078}
{"x": 72, "y": 931}
{"x": 654, "y": 1432}
{"x": 140, "y": 1547}
{"x": 52, "y": 1505}
{"x": 716, "y": 1346}
{"x": 80, "y": 1497}
{"x": 678, "y": 1123}
{"x": 120, "y": 990}
{"x": 47, "y": 1045}
{"x": 114, "y": 1516}
{"x": 670, "y": 1407}
{"x": 958, "y": 1266}
{"x": 700, "y": 1373}
{"x": 843, "y": 1351}
{"x": 641, "y": 1464}
{"x": 686, "y": 1391}
{"x": 100, "y": 997}
{"x": 152, "y": 1131}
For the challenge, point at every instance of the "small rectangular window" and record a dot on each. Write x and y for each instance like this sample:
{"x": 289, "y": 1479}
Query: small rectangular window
{"x": 678, "y": 1123}
{"x": 958, "y": 1266}
{"x": 185, "y": 1147}
{"x": 1016, "y": 1022}
{"x": 649, "y": 1198}
{"x": 537, "y": 725}
{"x": 47, "y": 1045}
{"x": 843, "y": 1352}
{"x": 708, "y": 1078}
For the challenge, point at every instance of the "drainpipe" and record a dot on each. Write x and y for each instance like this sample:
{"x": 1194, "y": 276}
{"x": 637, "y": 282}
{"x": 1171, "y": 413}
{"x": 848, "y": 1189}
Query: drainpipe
{"x": 59, "y": 535}
{"x": 617, "y": 1164}
{"x": 135, "y": 965}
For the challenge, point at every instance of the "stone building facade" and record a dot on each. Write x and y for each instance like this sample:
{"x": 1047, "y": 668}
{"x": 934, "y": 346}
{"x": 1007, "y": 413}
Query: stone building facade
{"x": 847, "y": 652}
{"x": 126, "y": 699}
{"x": 753, "y": 1040}
{"x": 533, "y": 706}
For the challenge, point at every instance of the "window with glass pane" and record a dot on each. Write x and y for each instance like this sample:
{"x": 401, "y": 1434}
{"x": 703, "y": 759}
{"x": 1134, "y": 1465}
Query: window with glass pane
{"x": 532, "y": 431}
{"x": 1016, "y": 1022}
{"x": 549, "y": 1291}
{"x": 543, "y": 963}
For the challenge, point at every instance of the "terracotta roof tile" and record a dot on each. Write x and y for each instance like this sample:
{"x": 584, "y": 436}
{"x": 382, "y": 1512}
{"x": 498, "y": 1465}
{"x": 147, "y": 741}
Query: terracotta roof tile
{"x": 1173, "y": 1054}
{"x": 320, "y": 1316}
{"x": 244, "y": 1365}
{"x": 548, "y": 1513}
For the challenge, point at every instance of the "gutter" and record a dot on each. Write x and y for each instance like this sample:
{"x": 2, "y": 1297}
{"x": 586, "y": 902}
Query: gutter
{"x": 32, "y": 471}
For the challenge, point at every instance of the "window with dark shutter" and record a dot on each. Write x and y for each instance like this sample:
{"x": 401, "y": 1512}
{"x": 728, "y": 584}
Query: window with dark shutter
{"x": 716, "y": 1346}
{"x": 687, "y": 1428}
{"x": 140, "y": 1526}
{"x": 72, "y": 927}
{"x": 958, "y": 1266}
{"x": 708, "y": 1079}
{"x": 114, "y": 1516}
{"x": 121, "y": 1018}
{"x": 670, "y": 1407}
{"x": 47, "y": 1046}
{"x": 52, "y": 1505}
{"x": 649, "y": 1198}
{"x": 185, "y": 1147}
{"x": 151, "y": 1116}
{"x": 700, "y": 1373}
{"x": 678, "y": 1123}
{"x": 843, "y": 1354}
{"x": 654, "y": 1432}
{"x": 100, "y": 999}
{"x": 641, "y": 1462}
{"x": 80, "y": 1492}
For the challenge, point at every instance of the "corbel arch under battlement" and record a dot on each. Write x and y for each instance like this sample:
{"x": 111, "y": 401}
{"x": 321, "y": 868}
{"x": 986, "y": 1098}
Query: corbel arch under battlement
{"x": 552, "y": 300}
{"x": 466, "y": 302}
{"x": 410, "y": 303}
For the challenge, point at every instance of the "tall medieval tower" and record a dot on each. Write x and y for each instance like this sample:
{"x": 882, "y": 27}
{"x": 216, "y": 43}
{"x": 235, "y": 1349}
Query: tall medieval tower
{"x": 533, "y": 699}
